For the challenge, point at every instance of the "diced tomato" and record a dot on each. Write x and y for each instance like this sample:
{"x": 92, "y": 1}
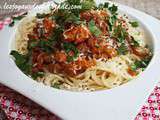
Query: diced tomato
{"x": 101, "y": 47}
{"x": 92, "y": 42}
{"x": 111, "y": 52}
{"x": 82, "y": 47}
{"x": 60, "y": 56}
{"x": 32, "y": 37}
{"x": 76, "y": 34}
{"x": 103, "y": 26}
{"x": 86, "y": 16}
{"x": 85, "y": 63}
{"x": 70, "y": 34}
{"x": 77, "y": 67}
{"x": 102, "y": 13}
{"x": 131, "y": 72}
{"x": 37, "y": 68}
{"x": 70, "y": 69}
{"x": 48, "y": 24}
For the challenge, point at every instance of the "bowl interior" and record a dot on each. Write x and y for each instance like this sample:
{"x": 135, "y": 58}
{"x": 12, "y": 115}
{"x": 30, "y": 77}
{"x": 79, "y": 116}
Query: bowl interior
{"x": 149, "y": 39}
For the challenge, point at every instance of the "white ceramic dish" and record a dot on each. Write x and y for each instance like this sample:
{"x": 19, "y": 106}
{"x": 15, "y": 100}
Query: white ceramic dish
{"x": 121, "y": 103}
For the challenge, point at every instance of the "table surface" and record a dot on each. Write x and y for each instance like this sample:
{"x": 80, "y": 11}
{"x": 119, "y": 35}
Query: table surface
{"x": 18, "y": 107}
{"x": 148, "y": 6}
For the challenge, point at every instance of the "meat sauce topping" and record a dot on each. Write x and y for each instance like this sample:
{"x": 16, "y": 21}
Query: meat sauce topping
{"x": 66, "y": 43}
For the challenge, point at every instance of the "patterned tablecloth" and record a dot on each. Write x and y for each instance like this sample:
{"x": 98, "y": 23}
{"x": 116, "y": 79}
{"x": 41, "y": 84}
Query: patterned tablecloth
{"x": 19, "y": 107}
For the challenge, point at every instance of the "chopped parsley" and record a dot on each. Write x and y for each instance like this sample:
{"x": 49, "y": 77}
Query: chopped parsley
{"x": 38, "y": 74}
{"x": 94, "y": 29}
{"x": 56, "y": 85}
{"x": 68, "y": 47}
{"x": 32, "y": 44}
{"x": 73, "y": 19}
{"x": 134, "y": 24}
{"x": 102, "y": 6}
{"x": 56, "y": 35}
{"x": 120, "y": 33}
{"x": 21, "y": 61}
{"x": 11, "y": 24}
{"x": 113, "y": 9}
{"x": 122, "y": 50}
{"x": 46, "y": 46}
{"x": 17, "y": 18}
{"x": 111, "y": 21}
{"x": 65, "y": 16}
{"x": 40, "y": 16}
{"x": 106, "y": 5}
{"x": 135, "y": 43}
{"x": 140, "y": 64}
{"x": 87, "y": 5}
{"x": 133, "y": 67}
{"x": 24, "y": 63}
{"x": 73, "y": 2}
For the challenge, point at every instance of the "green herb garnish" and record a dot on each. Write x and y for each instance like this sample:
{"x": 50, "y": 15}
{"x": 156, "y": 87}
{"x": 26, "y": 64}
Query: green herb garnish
{"x": 102, "y": 6}
{"x": 12, "y": 24}
{"x": 24, "y": 63}
{"x": 17, "y": 18}
{"x": 120, "y": 33}
{"x": 122, "y": 50}
{"x": 113, "y": 9}
{"x": 65, "y": 16}
{"x": 111, "y": 21}
{"x": 71, "y": 47}
{"x": 134, "y": 43}
{"x": 94, "y": 29}
{"x": 21, "y": 61}
{"x": 134, "y": 24}
{"x": 40, "y": 16}
{"x": 73, "y": 2}
{"x": 73, "y": 19}
{"x": 46, "y": 45}
{"x": 56, "y": 35}
{"x": 87, "y": 5}
{"x": 56, "y": 85}
{"x": 133, "y": 67}
{"x": 140, "y": 64}
{"x": 38, "y": 74}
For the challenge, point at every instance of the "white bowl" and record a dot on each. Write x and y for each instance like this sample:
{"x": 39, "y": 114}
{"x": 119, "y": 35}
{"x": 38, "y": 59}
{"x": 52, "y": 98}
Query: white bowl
{"x": 120, "y": 103}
